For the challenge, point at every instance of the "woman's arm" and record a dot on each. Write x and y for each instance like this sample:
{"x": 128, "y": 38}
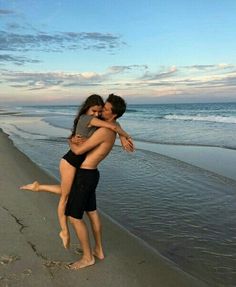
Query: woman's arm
{"x": 98, "y": 137}
{"x": 77, "y": 139}
{"x": 102, "y": 124}
{"x": 114, "y": 127}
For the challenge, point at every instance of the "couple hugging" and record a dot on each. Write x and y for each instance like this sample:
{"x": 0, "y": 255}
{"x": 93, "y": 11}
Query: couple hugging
{"x": 93, "y": 136}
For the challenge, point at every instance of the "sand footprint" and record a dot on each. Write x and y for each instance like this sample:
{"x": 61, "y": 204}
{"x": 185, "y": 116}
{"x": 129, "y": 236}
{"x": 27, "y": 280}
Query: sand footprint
{"x": 54, "y": 264}
{"x": 8, "y": 259}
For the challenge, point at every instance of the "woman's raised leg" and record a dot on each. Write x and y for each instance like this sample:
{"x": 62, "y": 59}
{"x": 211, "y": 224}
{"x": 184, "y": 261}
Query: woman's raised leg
{"x": 36, "y": 186}
{"x": 67, "y": 172}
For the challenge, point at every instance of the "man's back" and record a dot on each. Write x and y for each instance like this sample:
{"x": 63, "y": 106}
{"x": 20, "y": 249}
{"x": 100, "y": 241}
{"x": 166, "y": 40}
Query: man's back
{"x": 105, "y": 139}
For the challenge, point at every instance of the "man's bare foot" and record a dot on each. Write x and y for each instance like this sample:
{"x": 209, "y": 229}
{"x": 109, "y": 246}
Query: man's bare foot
{"x": 82, "y": 263}
{"x": 65, "y": 239}
{"x": 32, "y": 186}
{"x": 98, "y": 253}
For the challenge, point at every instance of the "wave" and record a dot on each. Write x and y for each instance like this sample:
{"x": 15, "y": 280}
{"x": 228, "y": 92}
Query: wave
{"x": 215, "y": 119}
{"x": 150, "y": 145}
{"x": 48, "y": 110}
{"x": 132, "y": 111}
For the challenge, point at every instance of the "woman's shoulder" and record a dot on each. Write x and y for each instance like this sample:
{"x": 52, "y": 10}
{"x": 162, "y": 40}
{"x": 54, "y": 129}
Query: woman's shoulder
{"x": 84, "y": 116}
{"x": 85, "y": 119}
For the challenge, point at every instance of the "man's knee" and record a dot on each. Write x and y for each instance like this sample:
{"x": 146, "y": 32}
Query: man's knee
{"x": 92, "y": 213}
{"x": 75, "y": 220}
{"x": 94, "y": 218}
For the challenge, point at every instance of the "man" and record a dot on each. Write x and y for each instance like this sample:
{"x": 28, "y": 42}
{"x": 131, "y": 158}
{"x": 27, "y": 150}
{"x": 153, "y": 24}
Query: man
{"x": 82, "y": 196}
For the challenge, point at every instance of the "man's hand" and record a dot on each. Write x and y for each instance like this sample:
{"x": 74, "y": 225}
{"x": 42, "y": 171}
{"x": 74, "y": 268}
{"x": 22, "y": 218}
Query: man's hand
{"x": 127, "y": 144}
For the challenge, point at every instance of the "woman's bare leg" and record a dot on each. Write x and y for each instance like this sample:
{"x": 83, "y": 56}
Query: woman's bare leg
{"x": 97, "y": 233}
{"x": 36, "y": 186}
{"x": 67, "y": 172}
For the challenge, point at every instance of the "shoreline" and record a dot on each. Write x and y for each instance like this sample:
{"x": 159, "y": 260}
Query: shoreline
{"x": 218, "y": 160}
{"x": 38, "y": 257}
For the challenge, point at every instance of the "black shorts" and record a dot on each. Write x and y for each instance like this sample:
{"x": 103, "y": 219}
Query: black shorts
{"x": 74, "y": 159}
{"x": 82, "y": 196}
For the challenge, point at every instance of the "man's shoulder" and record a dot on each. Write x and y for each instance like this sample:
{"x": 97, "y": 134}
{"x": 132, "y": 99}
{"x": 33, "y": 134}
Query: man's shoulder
{"x": 105, "y": 133}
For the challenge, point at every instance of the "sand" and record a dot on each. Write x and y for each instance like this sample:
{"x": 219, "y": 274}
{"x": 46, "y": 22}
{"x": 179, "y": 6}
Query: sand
{"x": 31, "y": 253}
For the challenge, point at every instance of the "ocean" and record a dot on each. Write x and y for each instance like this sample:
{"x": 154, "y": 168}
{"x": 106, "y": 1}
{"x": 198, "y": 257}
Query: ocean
{"x": 186, "y": 213}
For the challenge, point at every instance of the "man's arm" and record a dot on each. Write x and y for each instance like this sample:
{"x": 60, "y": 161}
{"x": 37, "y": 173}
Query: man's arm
{"x": 98, "y": 137}
{"x": 127, "y": 144}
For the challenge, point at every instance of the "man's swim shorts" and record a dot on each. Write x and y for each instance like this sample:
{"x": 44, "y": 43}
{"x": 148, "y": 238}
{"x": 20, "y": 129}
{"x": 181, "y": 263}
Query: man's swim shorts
{"x": 82, "y": 196}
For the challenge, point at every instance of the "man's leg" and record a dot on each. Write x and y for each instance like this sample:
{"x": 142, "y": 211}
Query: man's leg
{"x": 97, "y": 233}
{"x": 83, "y": 236}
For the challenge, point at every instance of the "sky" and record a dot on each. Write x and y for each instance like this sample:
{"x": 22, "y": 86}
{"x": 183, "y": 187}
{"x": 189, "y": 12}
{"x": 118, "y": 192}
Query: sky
{"x": 162, "y": 51}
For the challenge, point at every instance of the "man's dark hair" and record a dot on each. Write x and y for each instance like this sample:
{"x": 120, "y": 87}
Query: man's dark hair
{"x": 118, "y": 105}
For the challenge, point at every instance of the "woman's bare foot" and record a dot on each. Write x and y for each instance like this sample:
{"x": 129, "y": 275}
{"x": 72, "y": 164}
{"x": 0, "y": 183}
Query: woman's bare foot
{"x": 32, "y": 186}
{"x": 82, "y": 263}
{"x": 98, "y": 253}
{"x": 65, "y": 239}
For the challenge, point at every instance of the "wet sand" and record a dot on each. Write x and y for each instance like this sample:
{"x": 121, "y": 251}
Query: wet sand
{"x": 31, "y": 253}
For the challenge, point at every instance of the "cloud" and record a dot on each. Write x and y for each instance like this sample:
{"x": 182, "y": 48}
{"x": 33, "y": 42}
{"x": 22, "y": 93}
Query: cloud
{"x": 5, "y": 12}
{"x": 209, "y": 67}
{"x": 19, "y": 36}
{"x": 14, "y": 26}
{"x": 203, "y": 82}
{"x": 19, "y": 86}
{"x": 44, "y": 80}
{"x": 170, "y": 80}
{"x": 81, "y": 84}
{"x": 17, "y": 60}
{"x": 180, "y": 80}
{"x": 120, "y": 69}
{"x": 57, "y": 42}
{"x": 226, "y": 81}
{"x": 200, "y": 67}
{"x": 155, "y": 76}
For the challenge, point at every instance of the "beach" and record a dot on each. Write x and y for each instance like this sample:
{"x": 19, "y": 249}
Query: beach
{"x": 31, "y": 251}
{"x": 168, "y": 208}
{"x": 175, "y": 194}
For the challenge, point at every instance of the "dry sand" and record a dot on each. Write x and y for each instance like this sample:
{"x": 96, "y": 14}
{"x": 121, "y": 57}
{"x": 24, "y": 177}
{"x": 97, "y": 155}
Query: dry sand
{"x": 31, "y": 253}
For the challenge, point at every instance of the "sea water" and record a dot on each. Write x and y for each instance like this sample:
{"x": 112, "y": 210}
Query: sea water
{"x": 186, "y": 213}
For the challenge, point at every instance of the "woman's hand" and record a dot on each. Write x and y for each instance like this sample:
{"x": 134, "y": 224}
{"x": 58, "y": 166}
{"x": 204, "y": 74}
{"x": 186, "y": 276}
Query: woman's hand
{"x": 72, "y": 145}
{"x": 77, "y": 140}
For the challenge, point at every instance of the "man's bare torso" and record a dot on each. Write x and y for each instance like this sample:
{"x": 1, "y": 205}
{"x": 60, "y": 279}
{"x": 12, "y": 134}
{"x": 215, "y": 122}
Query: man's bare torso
{"x": 97, "y": 154}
